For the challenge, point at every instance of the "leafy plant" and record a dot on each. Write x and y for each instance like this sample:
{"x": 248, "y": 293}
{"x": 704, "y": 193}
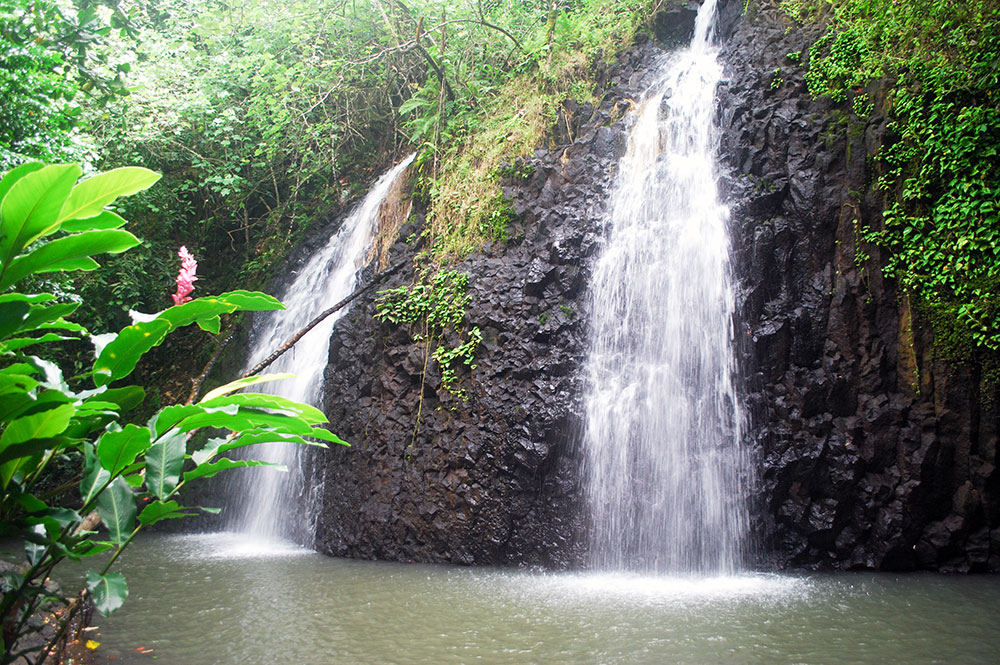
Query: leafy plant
{"x": 51, "y": 54}
{"x": 49, "y": 222}
{"x": 941, "y": 164}
{"x": 436, "y": 307}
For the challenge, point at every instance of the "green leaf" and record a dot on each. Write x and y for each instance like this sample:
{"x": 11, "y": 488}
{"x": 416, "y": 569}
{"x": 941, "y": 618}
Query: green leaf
{"x": 120, "y": 355}
{"x": 90, "y": 196}
{"x": 201, "y": 309}
{"x": 308, "y": 413}
{"x": 116, "y": 506}
{"x": 33, "y": 551}
{"x": 31, "y": 503}
{"x": 117, "y": 449}
{"x": 118, "y": 358}
{"x": 105, "y": 220}
{"x": 162, "y": 510}
{"x": 238, "y": 384}
{"x": 94, "y": 475}
{"x": 126, "y": 397}
{"x": 223, "y": 445}
{"x": 31, "y": 208}
{"x": 44, "y": 314}
{"x": 16, "y": 174}
{"x": 224, "y": 464}
{"x": 66, "y": 253}
{"x": 16, "y": 343}
{"x": 28, "y": 449}
{"x": 12, "y": 316}
{"x": 210, "y": 325}
{"x": 163, "y": 464}
{"x": 251, "y": 301}
{"x": 252, "y": 419}
{"x": 109, "y": 591}
{"x": 38, "y": 425}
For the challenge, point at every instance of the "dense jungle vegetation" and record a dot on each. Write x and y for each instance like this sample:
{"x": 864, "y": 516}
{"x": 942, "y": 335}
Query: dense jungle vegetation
{"x": 262, "y": 116}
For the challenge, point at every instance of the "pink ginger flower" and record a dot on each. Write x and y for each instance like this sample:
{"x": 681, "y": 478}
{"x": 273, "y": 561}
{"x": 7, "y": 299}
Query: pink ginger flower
{"x": 185, "y": 277}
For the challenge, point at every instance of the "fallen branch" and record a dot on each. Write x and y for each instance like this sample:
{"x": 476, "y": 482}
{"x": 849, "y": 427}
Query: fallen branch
{"x": 378, "y": 279}
{"x": 196, "y": 383}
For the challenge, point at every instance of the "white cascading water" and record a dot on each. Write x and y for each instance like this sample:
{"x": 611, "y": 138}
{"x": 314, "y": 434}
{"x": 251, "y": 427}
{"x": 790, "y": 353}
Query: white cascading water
{"x": 277, "y": 505}
{"x": 664, "y": 467}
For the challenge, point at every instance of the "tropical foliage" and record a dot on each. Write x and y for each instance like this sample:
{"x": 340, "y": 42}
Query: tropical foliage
{"x": 942, "y": 163}
{"x": 54, "y": 57}
{"x": 50, "y": 222}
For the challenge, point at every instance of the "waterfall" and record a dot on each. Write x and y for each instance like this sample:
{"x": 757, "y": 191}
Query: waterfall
{"x": 278, "y": 505}
{"x": 664, "y": 467}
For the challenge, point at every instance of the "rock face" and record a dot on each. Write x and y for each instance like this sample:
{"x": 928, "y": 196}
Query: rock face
{"x": 493, "y": 479}
{"x": 873, "y": 452}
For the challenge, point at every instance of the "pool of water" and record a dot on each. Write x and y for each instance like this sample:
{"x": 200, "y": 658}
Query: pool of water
{"x": 223, "y": 599}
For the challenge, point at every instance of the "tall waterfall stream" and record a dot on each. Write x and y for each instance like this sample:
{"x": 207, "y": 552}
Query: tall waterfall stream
{"x": 278, "y": 505}
{"x": 664, "y": 466}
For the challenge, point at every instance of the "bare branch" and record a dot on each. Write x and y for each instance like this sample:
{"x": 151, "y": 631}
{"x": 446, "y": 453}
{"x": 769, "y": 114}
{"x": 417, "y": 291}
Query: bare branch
{"x": 378, "y": 279}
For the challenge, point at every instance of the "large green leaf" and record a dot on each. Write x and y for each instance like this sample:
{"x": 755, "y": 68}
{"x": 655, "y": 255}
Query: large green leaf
{"x": 41, "y": 425}
{"x": 41, "y": 315}
{"x": 33, "y": 551}
{"x": 33, "y": 298}
{"x": 109, "y": 591}
{"x": 238, "y": 384}
{"x": 16, "y": 343}
{"x": 119, "y": 356}
{"x": 253, "y": 419}
{"x": 16, "y": 174}
{"x": 94, "y": 475}
{"x": 163, "y": 421}
{"x": 220, "y": 446}
{"x": 36, "y": 402}
{"x": 163, "y": 464}
{"x": 162, "y": 510}
{"x": 210, "y": 469}
{"x": 67, "y": 252}
{"x": 105, "y": 220}
{"x": 251, "y": 301}
{"x": 126, "y": 397}
{"x": 28, "y": 449}
{"x": 116, "y": 506}
{"x": 16, "y": 379}
{"x": 117, "y": 449}
{"x": 12, "y": 316}
{"x": 90, "y": 196}
{"x": 225, "y": 303}
{"x": 31, "y": 208}
{"x": 308, "y": 413}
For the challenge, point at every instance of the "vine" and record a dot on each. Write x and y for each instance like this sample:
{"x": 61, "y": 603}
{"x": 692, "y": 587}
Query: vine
{"x": 941, "y": 164}
{"x": 436, "y": 307}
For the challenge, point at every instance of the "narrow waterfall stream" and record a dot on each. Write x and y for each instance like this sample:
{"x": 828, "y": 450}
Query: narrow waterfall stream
{"x": 664, "y": 466}
{"x": 277, "y": 505}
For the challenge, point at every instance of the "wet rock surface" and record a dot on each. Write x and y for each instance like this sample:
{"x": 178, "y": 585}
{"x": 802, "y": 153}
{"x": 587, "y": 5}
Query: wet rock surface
{"x": 872, "y": 451}
{"x": 492, "y": 480}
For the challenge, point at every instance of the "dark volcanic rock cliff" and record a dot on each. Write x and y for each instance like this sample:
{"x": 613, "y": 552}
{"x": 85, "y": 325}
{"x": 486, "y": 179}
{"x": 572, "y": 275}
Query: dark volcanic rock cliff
{"x": 493, "y": 479}
{"x": 873, "y": 452}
